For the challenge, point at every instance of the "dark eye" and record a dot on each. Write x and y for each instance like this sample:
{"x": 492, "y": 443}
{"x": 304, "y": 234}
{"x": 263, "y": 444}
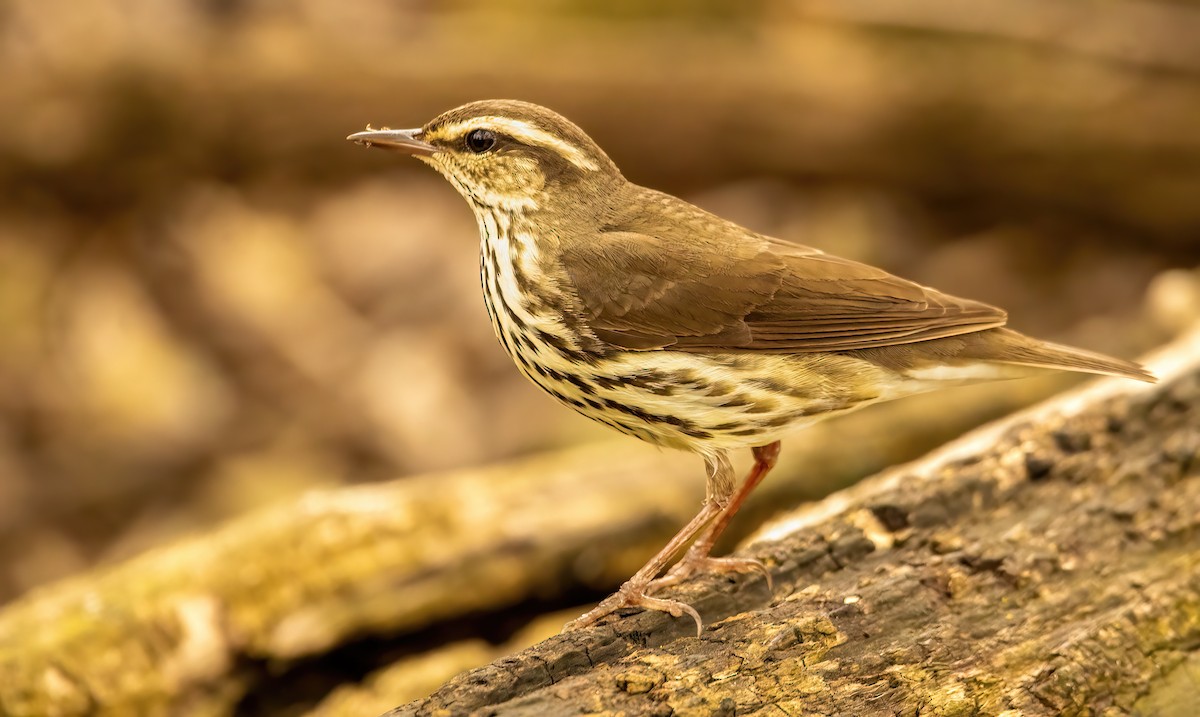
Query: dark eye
{"x": 481, "y": 140}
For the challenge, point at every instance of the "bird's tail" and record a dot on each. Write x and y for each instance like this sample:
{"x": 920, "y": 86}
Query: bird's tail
{"x": 1010, "y": 347}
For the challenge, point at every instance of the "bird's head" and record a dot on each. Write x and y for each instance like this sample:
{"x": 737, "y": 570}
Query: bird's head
{"x": 505, "y": 153}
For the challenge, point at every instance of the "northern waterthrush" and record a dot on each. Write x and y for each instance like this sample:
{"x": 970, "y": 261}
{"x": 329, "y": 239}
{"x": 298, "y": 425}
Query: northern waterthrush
{"x": 670, "y": 324}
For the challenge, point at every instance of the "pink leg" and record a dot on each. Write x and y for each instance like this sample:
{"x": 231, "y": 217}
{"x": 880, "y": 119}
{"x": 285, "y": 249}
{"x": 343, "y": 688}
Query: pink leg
{"x": 633, "y": 592}
{"x": 698, "y": 558}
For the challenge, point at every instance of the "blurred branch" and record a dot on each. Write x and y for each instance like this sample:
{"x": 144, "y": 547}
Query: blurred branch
{"x": 1147, "y": 33}
{"x": 1044, "y": 565}
{"x": 1053, "y": 104}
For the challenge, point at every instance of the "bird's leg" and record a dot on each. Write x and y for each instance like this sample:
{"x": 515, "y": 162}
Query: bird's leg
{"x": 697, "y": 558}
{"x": 633, "y": 592}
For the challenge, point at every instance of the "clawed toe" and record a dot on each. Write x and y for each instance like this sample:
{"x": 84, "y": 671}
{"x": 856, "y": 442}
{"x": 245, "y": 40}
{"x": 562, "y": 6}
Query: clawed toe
{"x": 698, "y": 536}
{"x": 638, "y": 594}
{"x": 690, "y": 566}
{"x": 634, "y": 596}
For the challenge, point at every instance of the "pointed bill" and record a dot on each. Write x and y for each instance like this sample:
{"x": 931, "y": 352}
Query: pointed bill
{"x": 402, "y": 140}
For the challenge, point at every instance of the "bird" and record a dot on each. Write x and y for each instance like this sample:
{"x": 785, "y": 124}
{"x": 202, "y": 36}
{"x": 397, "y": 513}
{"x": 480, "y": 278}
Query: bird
{"x": 683, "y": 329}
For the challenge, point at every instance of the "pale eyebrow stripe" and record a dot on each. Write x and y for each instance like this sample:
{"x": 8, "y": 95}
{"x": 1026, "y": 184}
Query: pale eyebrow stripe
{"x": 519, "y": 130}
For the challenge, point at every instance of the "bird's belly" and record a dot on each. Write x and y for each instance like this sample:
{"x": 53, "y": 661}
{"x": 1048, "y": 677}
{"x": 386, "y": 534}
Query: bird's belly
{"x": 694, "y": 401}
{"x": 714, "y": 401}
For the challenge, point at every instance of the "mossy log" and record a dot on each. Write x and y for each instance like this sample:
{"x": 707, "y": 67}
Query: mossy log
{"x": 187, "y": 629}
{"x": 178, "y": 630}
{"x": 1048, "y": 565}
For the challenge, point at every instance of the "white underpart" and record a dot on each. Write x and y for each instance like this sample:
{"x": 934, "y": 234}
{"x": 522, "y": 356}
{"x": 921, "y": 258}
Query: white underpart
{"x": 506, "y": 203}
{"x": 510, "y": 250}
{"x": 969, "y": 372}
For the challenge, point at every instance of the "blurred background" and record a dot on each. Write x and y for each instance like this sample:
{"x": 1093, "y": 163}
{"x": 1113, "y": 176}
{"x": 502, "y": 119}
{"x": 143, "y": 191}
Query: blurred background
{"x": 209, "y": 301}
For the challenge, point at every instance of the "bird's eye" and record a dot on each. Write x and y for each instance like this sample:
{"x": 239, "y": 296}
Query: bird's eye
{"x": 481, "y": 140}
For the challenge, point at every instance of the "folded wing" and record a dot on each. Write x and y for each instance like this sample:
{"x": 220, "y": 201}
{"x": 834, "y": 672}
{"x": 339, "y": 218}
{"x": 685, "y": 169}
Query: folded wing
{"x": 709, "y": 285}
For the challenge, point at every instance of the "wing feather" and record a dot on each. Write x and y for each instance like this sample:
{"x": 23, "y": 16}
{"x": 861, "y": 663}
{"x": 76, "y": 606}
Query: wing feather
{"x": 694, "y": 282}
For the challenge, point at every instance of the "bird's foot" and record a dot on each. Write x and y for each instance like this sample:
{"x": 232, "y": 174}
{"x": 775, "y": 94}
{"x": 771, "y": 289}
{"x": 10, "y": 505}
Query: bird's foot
{"x": 634, "y": 595}
{"x": 695, "y": 564}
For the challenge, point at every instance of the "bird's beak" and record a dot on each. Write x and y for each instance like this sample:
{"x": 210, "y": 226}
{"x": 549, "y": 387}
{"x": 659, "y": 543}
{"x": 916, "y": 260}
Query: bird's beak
{"x": 403, "y": 140}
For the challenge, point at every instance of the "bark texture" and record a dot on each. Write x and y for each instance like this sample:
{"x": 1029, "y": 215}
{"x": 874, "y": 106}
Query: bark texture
{"x": 187, "y": 629}
{"x": 1047, "y": 565}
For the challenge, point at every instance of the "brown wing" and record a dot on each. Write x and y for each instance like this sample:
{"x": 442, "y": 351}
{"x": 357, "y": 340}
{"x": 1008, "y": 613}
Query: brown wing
{"x": 693, "y": 289}
{"x": 636, "y": 298}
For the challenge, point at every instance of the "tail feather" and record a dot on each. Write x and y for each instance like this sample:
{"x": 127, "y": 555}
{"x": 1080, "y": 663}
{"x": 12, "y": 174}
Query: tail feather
{"x": 1008, "y": 346}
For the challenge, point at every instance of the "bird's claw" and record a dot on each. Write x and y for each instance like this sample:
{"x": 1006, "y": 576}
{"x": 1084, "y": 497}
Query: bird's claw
{"x": 691, "y": 565}
{"x": 634, "y": 596}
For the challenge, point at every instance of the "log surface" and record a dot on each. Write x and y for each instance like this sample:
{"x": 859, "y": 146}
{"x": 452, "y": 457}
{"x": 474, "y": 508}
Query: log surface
{"x": 183, "y": 629}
